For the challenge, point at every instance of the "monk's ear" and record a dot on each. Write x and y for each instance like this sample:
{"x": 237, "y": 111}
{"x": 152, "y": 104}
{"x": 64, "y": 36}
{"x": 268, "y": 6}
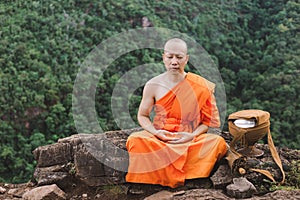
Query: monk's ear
{"x": 163, "y": 56}
{"x": 187, "y": 58}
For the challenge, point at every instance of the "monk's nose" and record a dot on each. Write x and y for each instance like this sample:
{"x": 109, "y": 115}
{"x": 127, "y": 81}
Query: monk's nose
{"x": 174, "y": 60}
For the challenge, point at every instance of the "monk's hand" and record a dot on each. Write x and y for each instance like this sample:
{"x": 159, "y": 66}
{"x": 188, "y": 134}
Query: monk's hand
{"x": 166, "y": 136}
{"x": 182, "y": 137}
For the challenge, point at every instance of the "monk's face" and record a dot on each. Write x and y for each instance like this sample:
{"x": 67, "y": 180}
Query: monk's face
{"x": 175, "y": 56}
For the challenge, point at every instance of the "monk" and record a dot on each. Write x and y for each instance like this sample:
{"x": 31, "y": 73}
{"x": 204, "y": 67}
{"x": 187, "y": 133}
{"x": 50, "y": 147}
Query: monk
{"x": 174, "y": 146}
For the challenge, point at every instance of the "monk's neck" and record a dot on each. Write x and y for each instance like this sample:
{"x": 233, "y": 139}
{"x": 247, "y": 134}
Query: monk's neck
{"x": 175, "y": 78}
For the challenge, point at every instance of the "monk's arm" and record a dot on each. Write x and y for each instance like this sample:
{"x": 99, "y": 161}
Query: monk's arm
{"x": 202, "y": 128}
{"x": 145, "y": 109}
{"x": 144, "y": 113}
{"x": 210, "y": 116}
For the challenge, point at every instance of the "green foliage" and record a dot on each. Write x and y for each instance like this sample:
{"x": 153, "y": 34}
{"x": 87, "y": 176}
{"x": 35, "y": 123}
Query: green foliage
{"x": 43, "y": 43}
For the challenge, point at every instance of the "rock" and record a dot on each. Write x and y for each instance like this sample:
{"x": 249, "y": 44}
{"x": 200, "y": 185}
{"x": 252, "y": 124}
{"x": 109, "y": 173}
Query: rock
{"x": 17, "y": 192}
{"x": 56, "y": 174}
{"x": 2, "y": 190}
{"x": 241, "y": 188}
{"x": 78, "y": 160}
{"x": 221, "y": 177}
{"x": 92, "y": 171}
{"x": 84, "y": 196}
{"x": 283, "y": 194}
{"x": 86, "y": 154}
{"x": 45, "y": 193}
{"x": 202, "y": 194}
{"x": 164, "y": 195}
{"x": 198, "y": 183}
{"x": 54, "y": 154}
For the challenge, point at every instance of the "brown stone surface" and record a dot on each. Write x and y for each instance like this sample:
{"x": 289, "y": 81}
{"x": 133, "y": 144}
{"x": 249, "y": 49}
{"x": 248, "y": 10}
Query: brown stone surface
{"x": 2, "y": 190}
{"x": 53, "y": 174}
{"x": 75, "y": 164}
{"x": 86, "y": 154}
{"x": 202, "y": 194}
{"x": 164, "y": 195}
{"x": 281, "y": 195}
{"x": 17, "y": 192}
{"x": 241, "y": 188}
{"x": 47, "y": 192}
{"x": 54, "y": 154}
{"x": 222, "y": 177}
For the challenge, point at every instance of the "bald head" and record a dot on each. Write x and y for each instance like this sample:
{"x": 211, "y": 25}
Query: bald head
{"x": 175, "y": 46}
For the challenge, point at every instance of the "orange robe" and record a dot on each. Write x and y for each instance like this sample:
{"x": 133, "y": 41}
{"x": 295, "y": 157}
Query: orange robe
{"x": 184, "y": 108}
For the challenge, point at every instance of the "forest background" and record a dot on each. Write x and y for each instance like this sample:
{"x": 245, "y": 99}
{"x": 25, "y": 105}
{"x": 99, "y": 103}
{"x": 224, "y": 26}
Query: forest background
{"x": 255, "y": 45}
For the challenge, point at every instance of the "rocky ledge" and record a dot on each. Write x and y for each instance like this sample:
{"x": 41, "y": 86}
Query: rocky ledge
{"x": 91, "y": 166}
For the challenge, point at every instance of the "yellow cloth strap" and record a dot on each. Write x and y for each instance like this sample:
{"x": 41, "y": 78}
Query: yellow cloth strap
{"x": 275, "y": 155}
{"x": 264, "y": 172}
{"x": 276, "y": 158}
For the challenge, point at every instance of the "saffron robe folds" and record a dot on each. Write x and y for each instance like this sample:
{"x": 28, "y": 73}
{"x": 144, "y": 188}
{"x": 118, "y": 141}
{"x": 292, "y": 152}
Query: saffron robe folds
{"x": 182, "y": 109}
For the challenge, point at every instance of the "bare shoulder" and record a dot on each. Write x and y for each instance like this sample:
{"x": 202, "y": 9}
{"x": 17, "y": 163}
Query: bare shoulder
{"x": 152, "y": 89}
{"x": 155, "y": 81}
{"x": 156, "y": 87}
